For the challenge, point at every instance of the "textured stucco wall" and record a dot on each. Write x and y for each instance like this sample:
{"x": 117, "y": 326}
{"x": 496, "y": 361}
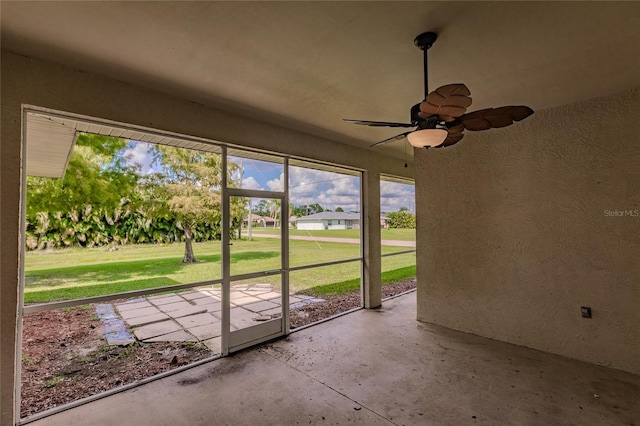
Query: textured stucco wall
{"x": 514, "y": 237}
{"x": 45, "y": 84}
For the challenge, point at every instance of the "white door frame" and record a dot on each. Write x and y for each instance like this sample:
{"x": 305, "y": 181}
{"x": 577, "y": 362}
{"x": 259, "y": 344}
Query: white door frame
{"x": 243, "y": 338}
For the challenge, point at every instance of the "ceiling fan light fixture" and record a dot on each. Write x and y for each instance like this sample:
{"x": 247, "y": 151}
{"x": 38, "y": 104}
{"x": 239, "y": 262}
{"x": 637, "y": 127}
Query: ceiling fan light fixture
{"x": 427, "y": 137}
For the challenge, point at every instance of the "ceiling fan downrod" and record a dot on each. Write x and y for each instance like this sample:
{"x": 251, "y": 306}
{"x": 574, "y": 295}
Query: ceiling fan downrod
{"x": 424, "y": 42}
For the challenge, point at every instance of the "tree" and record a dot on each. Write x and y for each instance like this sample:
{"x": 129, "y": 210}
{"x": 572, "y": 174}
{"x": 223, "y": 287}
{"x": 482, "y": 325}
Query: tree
{"x": 315, "y": 208}
{"x": 273, "y": 207}
{"x": 97, "y": 175}
{"x": 261, "y": 209}
{"x": 80, "y": 207}
{"x": 401, "y": 219}
{"x": 191, "y": 186}
{"x": 340, "y": 209}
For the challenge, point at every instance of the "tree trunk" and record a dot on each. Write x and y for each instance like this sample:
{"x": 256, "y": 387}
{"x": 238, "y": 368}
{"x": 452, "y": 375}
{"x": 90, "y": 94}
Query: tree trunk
{"x": 188, "y": 248}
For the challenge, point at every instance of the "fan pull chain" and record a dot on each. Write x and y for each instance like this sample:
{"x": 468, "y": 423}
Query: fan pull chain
{"x": 405, "y": 154}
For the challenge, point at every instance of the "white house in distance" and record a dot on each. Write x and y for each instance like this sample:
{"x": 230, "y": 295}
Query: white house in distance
{"x": 260, "y": 221}
{"x": 329, "y": 220}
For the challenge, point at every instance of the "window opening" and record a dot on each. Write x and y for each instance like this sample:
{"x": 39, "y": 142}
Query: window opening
{"x": 398, "y": 236}
{"x": 325, "y": 252}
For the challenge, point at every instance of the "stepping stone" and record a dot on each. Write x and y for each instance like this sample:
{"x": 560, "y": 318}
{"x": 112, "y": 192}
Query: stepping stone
{"x": 113, "y": 326}
{"x": 156, "y": 329}
{"x": 119, "y": 338}
{"x": 176, "y": 336}
{"x": 105, "y": 312}
{"x": 147, "y": 319}
{"x": 115, "y": 330}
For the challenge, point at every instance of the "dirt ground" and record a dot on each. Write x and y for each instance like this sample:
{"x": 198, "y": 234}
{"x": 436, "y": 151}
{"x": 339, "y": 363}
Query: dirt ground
{"x": 65, "y": 356}
{"x": 334, "y": 305}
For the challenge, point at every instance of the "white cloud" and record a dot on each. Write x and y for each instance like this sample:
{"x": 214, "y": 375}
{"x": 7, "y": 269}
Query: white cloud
{"x": 250, "y": 183}
{"x": 394, "y": 196}
{"x": 330, "y": 190}
{"x": 276, "y": 184}
{"x": 139, "y": 155}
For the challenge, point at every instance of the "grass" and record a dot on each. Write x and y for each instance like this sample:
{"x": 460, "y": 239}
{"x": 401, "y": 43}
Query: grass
{"x": 342, "y": 287}
{"x": 78, "y": 273}
{"x": 53, "y": 381}
{"x": 386, "y": 234}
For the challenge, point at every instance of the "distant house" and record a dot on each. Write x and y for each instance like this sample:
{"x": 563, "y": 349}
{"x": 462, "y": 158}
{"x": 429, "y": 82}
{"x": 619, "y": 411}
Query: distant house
{"x": 329, "y": 220}
{"x": 260, "y": 221}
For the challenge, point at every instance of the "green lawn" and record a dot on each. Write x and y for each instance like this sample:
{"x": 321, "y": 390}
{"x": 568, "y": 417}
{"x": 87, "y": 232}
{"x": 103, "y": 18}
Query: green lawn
{"x": 76, "y": 273}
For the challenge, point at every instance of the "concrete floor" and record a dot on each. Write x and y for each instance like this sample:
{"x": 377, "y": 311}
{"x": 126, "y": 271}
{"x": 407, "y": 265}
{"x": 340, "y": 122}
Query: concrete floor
{"x": 377, "y": 368}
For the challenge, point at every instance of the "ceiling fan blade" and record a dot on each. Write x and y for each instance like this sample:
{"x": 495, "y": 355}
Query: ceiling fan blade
{"x": 378, "y": 123}
{"x": 452, "y": 139}
{"x": 490, "y": 118}
{"x": 456, "y": 127}
{"x": 447, "y": 102}
{"x": 391, "y": 139}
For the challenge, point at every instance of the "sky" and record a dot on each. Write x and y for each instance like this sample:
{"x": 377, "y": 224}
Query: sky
{"x": 306, "y": 185}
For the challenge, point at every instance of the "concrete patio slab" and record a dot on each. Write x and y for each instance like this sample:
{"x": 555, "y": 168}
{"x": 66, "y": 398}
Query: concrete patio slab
{"x": 165, "y": 299}
{"x": 174, "y": 306}
{"x": 191, "y": 295}
{"x": 205, "y": 300}
{"x": 190, "y": 310}
{"x": 133, "y": 313}
{"x": 198, "y": 312}
{"x": 272, "y": 311}
{"x": 213, "y": 307}
{"x": 176, "y": 336}
{"x": 214, "y": 344}
{"x": 269, "y": 295}
{"x": 126, "y": 306}
{"x": 196, "y": 320}
{"x": 205, "y": 332}
{"x": 156, "y": 329}
{"x": 260, "y": 306}
{"x": 237, "y": 294}
{"x": 147, "y": 319}
{"x": 238, "y": 301}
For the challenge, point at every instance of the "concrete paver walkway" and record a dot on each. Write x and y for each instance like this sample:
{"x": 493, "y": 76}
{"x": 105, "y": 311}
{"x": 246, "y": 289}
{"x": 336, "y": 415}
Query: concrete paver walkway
{"x": 196, "y": 315}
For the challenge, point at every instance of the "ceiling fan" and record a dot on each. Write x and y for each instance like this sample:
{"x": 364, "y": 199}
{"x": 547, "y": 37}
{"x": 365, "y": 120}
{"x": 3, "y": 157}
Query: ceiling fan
{"x": 441, "y": 117}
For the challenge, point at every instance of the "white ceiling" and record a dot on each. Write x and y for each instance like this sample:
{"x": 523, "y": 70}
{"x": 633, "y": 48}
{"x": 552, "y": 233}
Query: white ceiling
{"x": 307, "y": 65}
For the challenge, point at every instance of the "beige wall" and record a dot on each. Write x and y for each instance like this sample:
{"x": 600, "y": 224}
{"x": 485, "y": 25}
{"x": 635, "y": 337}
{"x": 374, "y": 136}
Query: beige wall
{"x": 513, "y": 237}
{"x": 31, "y": 81}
